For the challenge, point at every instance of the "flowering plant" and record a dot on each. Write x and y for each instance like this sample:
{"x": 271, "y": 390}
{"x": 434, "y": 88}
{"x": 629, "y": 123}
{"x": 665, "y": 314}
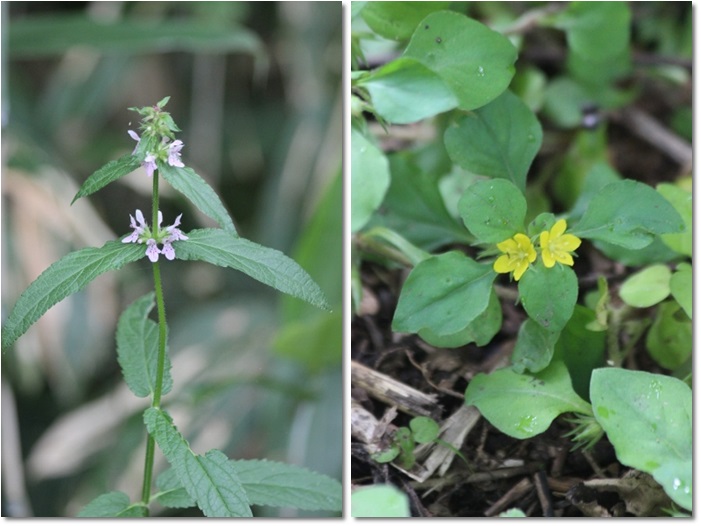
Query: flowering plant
{"x": 220, "y": 487}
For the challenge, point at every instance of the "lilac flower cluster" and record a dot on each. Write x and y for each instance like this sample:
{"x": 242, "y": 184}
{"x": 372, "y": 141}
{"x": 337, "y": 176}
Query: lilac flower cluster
{"x": 165, "y": 236}
{"x": 172, "y": 150}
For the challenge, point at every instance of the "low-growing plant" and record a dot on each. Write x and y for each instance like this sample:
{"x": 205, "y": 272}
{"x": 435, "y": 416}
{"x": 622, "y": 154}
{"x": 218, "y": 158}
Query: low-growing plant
{"x": 217, "y": 485}
{"x": 458, "y": 205}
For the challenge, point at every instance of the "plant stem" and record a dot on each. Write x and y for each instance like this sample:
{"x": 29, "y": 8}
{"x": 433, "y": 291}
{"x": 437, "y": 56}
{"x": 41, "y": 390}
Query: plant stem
{"x": 160, "y": 369}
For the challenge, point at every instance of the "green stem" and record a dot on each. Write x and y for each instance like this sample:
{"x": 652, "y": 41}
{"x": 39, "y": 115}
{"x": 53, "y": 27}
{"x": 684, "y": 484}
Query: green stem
{"x": 160, "y": 369}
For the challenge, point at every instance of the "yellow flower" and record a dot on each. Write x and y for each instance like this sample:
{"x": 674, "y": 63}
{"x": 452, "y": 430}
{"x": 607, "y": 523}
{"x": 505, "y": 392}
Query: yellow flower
{"x": 518, "y": 254}
{"x": 556, "y": 245}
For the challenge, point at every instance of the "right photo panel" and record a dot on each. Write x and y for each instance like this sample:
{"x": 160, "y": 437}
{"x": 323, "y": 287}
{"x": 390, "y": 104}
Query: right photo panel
{"x": 521, "y": 259}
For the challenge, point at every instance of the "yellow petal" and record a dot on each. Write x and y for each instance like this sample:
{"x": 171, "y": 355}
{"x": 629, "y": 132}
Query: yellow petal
{"x": 558, "y": 228}
{"x": 504, "y": 264}
{"x": 548, "y": 259}
{"x": 564, "y": 257}
{"x": 520, "y": 269}
{"x": 569, "y": 242}
{"x": 508, "y": 245}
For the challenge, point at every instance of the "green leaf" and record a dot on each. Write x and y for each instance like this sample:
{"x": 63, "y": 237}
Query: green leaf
{"x": 67, "y": 276}
{"x": 172, "y": 494}
{"x": 500, "y": 139}
{"x": 369, "y": 179}
{"x": 443, "y": 294}
{"x": 424, "y": 429}
{"x": 137, "y": 348}
{"x": 112, "y": 171}
{"x": 647, "y": 287}
{"x": 210, "y": 479}
{"x": 475, "y": 62}
{"x": 397, "y": 20}
{"x": 534, "y": 347}
{"x": 381, "y": 500}
{"x": 670, "y": 338}
{"x": 512, "y": 512}
{"x": 39, "y": 36}
{"x": 481, "y": 330}
{"x": 648, "y": 419}
{"x": 192, "y": 186}
{"x": 493, "y": 210}
{"x": 405, "y": 91}
{"x": 587, "y": 23}
{"x": 549, "y": 294}
{"x": 113, "y": 504}
{"x": 629, "y": 214}
{"x": 524, "y": 405}
{"x": 266, "y": 265}
{"x": 681, "y": 287}
{"x": 270, "y": 483}
{"x": 681, "y": 200}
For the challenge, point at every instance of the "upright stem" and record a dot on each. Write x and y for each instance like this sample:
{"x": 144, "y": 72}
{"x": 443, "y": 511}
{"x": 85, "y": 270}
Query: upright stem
{"x": 160, "y": 369}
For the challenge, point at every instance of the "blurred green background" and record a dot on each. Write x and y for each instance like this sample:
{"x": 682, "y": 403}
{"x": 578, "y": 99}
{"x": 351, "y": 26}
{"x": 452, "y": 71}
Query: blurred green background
{"x": 256, "y": 89}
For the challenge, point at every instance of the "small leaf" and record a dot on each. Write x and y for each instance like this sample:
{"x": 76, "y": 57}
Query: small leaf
{"x": 137, "y": 348}
{"x": 475, "y": 62}
{"x": 443, "y": 294}
{"x": 113, "y": 504}
{"x": 629, "y": 214}
{"x": 369, "y": 179}
{"x": 549, "y": 295}
{"x": 67, "y": 276}
{"x": 405, "y": 91}
{"x": 670, "y": 338}
{"x": 647, "y": 287}
{"x": 270, "y": 483}
{"x": 681, "y": 287}
{"x": 112, "y": 171}
{"x": 500, "y": 139}
{"x": 534, "y": 347}
{"x": 266, "y": 265}
{"x": 493, "y": 210}
{"x": 196, "y": 189}
{"x": 172, "y": 494}
{"x": 210, "y": 479}
{"x": 648, "y": 419}
{"x": 379, "y": 501}
{"x": 424, "y": 429}
{"x": 524, "y": 405}
{"x": 681, "y": 200}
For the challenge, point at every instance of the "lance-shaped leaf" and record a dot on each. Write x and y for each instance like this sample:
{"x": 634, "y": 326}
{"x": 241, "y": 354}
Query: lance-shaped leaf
{"x": 137, "y": 348}
{"x": 113, "y": 504}
{"x": 276, "y": 484}
{"x": 267, "y": 265}
{"x": 112, "y": 171}
{"x": 67, "y": 276}
{"x": 192, "y": 186}
{"x": 210, "y": 479}
{"x": 443, "y": 294}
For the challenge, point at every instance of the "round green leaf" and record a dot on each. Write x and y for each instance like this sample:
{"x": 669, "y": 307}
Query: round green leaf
{"x": 405, "y": 91}
{"x": 369, "y": 179}
{"x": 549, "y": 295}
{"x": 379, "y": 501}
{"x": 524, "y": 405}
{"x": 397, "y": 20}
{"x": 493, "y": 210}
{"x": 500, "y": 139}
{"x": 424, "y": 429}
{"x": 647, "y": 287}
{"x": 648, "y": 419}
{"x": 444, "y": 294}
{"x": 669, "y": 340}
{"x": 681, "y": 200}
{"x": 475, "y": 62}
{"x": 681, "y": 286}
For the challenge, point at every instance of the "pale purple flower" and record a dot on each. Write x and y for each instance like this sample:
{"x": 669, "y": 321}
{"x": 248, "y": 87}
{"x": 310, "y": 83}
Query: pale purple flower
{"x": 168, "y": 251}
{"x": 139, "y": 228}
{"x": 136, "y": 137}
{"x": 152, "y": 250}
{"x": 150, "y": 164}
{"x": 174, "y": 154}
{"x": 175, "y": 234}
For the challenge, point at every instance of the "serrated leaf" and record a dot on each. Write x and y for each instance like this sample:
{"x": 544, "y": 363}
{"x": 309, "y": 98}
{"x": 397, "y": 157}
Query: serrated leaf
{"x": 210, "y": 479}
{"x": 67, "y": 276}
{"x": 648, "y": 419}
{"x": 270, "y": 483}
{"x": 369, "y": 179}
{"x": 113, "y": 504}
{"x": 493, "y": 210}
{"x": 266, "y": 265}
{"x": 187, "y": 182}
{"x": 524, "y": 405}
{"x": 172, "y": 494}
{"x": 137, "y": 348}
{"x": 500, "y": 139}
{"x": 629, "y": 214}
{"x": 444, "y": 294}
{"x": 110, "y": 172}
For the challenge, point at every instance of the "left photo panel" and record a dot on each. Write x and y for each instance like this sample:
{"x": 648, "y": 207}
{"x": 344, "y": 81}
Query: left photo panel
{"x": 172, "y": 259}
